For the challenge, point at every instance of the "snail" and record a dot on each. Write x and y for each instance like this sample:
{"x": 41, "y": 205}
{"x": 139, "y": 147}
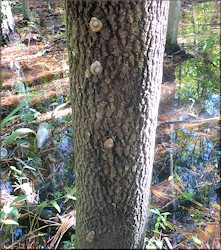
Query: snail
{"x": 95, "y": 24}
{"x": 90, "y": 236}
{"x": 43, "y": 134}
{"x": 96, "y": 68}
{"x": 109, "y": 143}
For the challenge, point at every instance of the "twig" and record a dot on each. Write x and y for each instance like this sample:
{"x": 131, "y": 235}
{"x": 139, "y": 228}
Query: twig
{"x": 168, "y": 242}
{"x": 217, "y": 118}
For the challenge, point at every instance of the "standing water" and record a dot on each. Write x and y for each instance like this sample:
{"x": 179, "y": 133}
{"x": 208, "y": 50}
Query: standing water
{"x": 186, "y": 180}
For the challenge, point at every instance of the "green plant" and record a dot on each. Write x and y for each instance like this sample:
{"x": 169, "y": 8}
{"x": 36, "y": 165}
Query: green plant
{"x": 11, "y": 117}
{"x": 69, "y": 195}
{"x": 69, "y": 244}
{"x": 208, "y": 44}
{"x": 9, "y": 216}
{"x": 157, "y": 242}
{"x": 9, "y": 212}
{"x": 19, "y": 174}
{"x": 186, "y": 196}
{"x": 154, "y": 243}
{"x": 162, "y": 222}
{"x": 29, "y": 115}
{"x": 17, "y": 133}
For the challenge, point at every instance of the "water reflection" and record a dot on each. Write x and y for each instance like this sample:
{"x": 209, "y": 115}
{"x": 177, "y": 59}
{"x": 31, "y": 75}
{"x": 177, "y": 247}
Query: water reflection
{"x": 212, "y": 105}
{"x": 190, "y": 102}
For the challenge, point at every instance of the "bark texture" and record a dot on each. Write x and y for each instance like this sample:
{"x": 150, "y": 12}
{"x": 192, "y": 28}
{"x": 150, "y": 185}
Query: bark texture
{"x": 7, "y": 23}
{"x": 120, "y": 104}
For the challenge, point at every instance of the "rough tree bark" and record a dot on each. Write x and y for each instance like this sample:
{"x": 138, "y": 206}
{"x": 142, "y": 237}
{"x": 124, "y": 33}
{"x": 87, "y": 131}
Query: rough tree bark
{"x": 117, "y": 106}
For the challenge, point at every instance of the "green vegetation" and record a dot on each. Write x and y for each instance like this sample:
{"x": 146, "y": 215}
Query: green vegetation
{"x": 162, "y": 222}
{"x": 161, "y": 226}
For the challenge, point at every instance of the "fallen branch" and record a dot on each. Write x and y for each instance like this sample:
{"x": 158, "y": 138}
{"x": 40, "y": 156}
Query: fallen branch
{"x": 217, "y": 118}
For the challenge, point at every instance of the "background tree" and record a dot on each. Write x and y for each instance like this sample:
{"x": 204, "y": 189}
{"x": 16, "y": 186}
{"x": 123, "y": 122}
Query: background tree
{"x": 7, "y": 22}
{"x": 26, "y": 10}
{"x": 173, "y": 24}
{"x": 115, "y": 73}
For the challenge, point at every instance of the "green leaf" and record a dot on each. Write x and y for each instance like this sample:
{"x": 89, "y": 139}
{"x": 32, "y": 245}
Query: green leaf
{"x": 2, "y": 214}
{"x": 67, "y": 189}
{"x": 19, "y": 198}
{"x": 209, "y": 44}
{"x": 67, "y": 244}
{"x": 164, "y": 221}
{"x": 187, "y": 196}
{"x": 159, "y": 218}
{"x": 55, "y": 205}
{"x": 17, "y": 133}
{"x": 71, "y": 197}
{"x": 162, "y": 225}
{"x": 10, "y": 222}
{"x": 72, "y": 237}
{"x": 28, "y": 167}
{"x": 196, "y": 240}
{"x": 17, "y": 171}
{"x": 170, "y": 226}
{"x": 176, "y": 179}
{"x": 166, "y": 213}
{"x": 9, "y": 117}
{"x": 155, "y": 211}
{"x": 157, "y": 227}
{"x": 58, "y": 194}
{"x": 15, "y": 212}
{"x": 40, "y": 234}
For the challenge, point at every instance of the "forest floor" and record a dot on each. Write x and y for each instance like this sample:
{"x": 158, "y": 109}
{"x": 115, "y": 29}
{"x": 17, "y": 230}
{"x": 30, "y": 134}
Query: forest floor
{"x": 35, "y": 67}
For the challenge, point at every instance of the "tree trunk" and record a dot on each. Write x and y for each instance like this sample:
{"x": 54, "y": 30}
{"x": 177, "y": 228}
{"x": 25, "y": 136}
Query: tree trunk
{"x": 7, "y": 22}
{"x": 173, "y": 25}
{"x": 26, "y": 10}
{"x": 114, "y": 115}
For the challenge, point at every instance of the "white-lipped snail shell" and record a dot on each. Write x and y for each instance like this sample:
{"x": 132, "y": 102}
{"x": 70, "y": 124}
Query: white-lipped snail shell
{"x": 109, "y": 143}
{"x": 95, "y": 24}
{"x": 96, "y": 68}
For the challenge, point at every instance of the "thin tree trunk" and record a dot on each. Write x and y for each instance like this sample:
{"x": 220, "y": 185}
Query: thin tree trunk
{"x": 7, "y": 22}
{"x": 26, "y": 10}
{"x": 114, "y": 115}
{"x": 173, "y": 25}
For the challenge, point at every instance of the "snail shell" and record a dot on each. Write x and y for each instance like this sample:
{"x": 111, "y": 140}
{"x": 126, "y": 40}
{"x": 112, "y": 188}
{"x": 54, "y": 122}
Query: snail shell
{"x": 109, "y": 143}
{"x": 96, "y": 68}
{"x": 95, "y": 24}
{"x": 43, "y": 134}
{"x": 90, "y": 236}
